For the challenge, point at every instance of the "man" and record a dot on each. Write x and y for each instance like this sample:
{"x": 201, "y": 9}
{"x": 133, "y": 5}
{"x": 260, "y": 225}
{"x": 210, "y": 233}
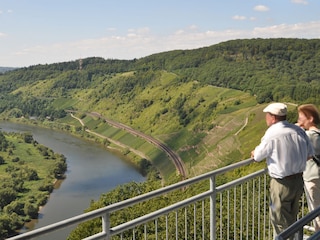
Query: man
{"x": 286, "y": 148}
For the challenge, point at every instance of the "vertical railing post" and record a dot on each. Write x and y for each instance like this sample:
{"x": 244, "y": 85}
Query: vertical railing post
{"x": 299, "y": 234}
{"x": 106, "y": 225}
{"x": 213, "y": 209}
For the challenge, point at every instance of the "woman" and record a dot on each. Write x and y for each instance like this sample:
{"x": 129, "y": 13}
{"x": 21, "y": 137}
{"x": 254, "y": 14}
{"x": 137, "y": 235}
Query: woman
{"x": 309, "y": 119}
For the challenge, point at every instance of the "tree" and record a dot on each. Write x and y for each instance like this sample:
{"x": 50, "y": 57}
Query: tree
{"x": 14, "y": 207}
{"x": 7, "y": 196}
{"x": 60, "y": 168}
{"x": 31, "y": 210}
{"x": 2, "y": 161}
{"x": 28, "y": 138}
{"x": 3, "y": 142}
{"x": 32, "y": 175}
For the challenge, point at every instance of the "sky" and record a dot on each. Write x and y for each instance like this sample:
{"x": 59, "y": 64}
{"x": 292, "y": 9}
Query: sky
{"x": 36, "y": 32}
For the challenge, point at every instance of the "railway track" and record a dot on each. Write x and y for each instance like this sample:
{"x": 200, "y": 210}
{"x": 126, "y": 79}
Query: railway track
{"x": 171, "y": 154}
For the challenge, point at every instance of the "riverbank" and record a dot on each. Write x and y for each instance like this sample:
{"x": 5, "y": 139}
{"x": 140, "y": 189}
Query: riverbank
{"x": 125, "y": 152}
{"x": 28, "y": 174}
{"x": 92, "y": 172}
{"x": 33, "y": 222}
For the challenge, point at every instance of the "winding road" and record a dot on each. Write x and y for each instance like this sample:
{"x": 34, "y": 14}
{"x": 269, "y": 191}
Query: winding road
{"x": 173, "y": 156}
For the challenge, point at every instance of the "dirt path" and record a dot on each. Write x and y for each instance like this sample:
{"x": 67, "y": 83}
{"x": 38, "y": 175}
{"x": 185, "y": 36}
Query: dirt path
{"x": 245, "y": 124}
{"x": 81, "y": 122}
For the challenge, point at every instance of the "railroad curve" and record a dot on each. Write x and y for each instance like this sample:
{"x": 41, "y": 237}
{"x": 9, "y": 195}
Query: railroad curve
{"x": 172, "y": 155}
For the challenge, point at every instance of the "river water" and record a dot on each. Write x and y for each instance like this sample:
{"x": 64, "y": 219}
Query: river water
{"x": 92, "y": 170}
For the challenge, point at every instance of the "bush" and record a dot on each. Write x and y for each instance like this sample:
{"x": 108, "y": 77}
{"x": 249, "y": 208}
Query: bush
{"x": 46, "y": 187}
{"x": 31, "y": 210}
{"x": 2, "y": 161}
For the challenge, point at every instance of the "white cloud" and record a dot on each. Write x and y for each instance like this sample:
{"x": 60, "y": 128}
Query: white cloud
{"x": 299, "y": 30}
{"x": 261, "y": 8}
{"x": 141, "y": 42}
{"x": 193, "y": 27}
{"x": 305, "y": 2}
{"x": 237, "y": 17}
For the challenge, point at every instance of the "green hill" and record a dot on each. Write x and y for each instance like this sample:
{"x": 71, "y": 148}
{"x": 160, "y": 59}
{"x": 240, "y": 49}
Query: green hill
{"x": 194, "y": 101}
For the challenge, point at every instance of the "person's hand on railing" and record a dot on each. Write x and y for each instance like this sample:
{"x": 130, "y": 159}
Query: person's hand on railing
{"x": 252, "y": 155}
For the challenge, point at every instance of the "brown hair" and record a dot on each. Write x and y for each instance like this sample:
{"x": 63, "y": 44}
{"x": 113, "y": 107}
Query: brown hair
{"x": 310, "y": 110}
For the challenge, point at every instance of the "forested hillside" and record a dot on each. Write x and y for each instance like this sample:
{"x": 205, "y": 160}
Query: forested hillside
{"x": 195, "y": 101}
{"x": 286, "y": 65}
{"x": 271, "y": 69}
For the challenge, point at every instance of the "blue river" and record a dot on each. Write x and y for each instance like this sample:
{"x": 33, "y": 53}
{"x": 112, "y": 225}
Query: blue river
{"x": 92, "y": 170}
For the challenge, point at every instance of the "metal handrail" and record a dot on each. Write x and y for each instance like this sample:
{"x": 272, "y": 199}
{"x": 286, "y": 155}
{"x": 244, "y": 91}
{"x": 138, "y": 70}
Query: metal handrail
{"x": 102, "y": 212}
{"x": 215, "y": 195}
{"x": 298, "y": 226}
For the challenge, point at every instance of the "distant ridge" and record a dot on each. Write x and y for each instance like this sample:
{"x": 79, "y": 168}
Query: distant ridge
{"x": 5, "y": 69}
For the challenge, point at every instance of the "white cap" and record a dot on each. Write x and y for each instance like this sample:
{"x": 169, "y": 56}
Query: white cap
{"x": 278, "y": 109}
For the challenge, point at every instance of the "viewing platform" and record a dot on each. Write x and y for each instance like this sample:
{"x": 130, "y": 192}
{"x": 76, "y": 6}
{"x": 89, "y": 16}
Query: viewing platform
{"x": 220, "y": 209}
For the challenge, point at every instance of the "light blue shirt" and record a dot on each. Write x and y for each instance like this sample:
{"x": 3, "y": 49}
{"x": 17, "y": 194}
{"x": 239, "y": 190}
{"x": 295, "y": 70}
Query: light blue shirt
{"x": 286, "y": 148}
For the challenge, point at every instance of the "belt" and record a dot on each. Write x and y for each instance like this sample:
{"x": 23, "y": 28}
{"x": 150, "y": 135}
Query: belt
{"x": 293, "y": 176}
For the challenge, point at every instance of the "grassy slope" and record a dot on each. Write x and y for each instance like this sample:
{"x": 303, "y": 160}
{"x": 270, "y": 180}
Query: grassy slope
{"x": 208, "y": 141}
{"x": 201, "y": 151}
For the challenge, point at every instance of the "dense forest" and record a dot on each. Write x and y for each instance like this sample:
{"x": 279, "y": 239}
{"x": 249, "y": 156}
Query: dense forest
{"x": 194, "y": 101}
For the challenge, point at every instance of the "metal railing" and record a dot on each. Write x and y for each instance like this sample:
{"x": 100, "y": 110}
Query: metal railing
{"x": 237, "y": 209}
{"x": 302, "y": 225}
